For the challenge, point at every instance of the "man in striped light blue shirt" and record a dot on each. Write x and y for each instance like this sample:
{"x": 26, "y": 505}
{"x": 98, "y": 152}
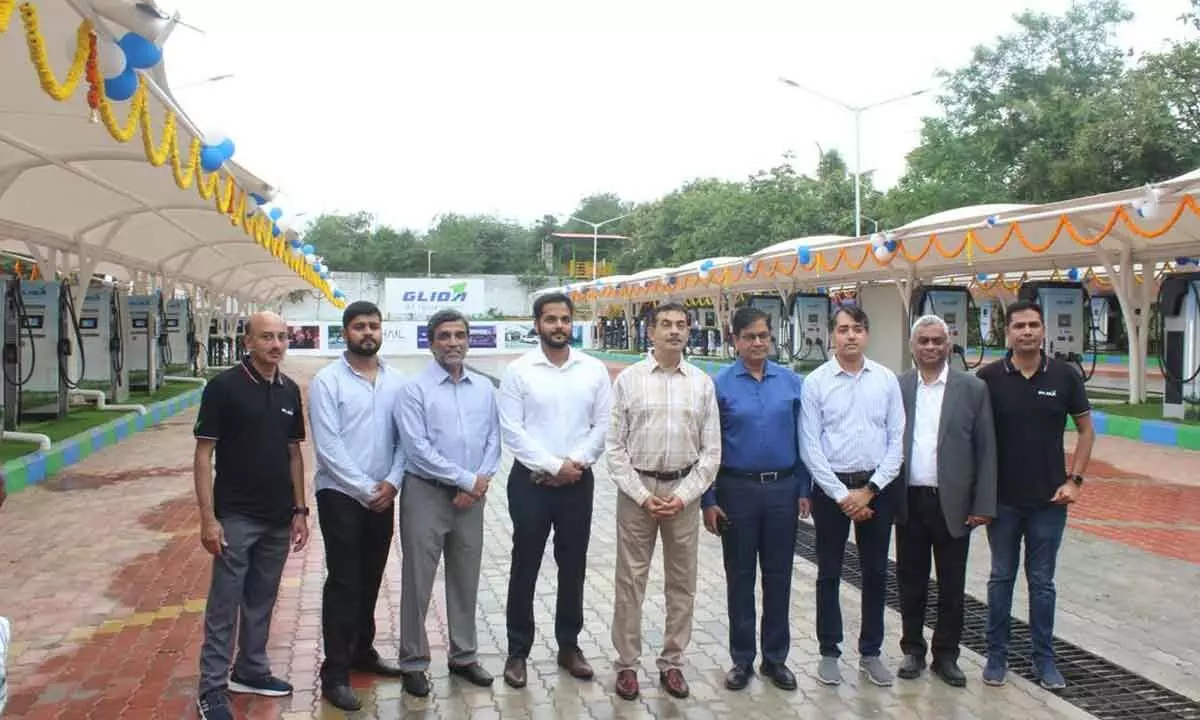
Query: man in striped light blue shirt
{"x": 359, "y": 467}
{"x": 852, "y": 432}
{"x": 450, "y": 428}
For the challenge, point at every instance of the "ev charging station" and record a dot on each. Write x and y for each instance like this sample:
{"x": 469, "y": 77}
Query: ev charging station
{"x": 147, "y": 345}
{"x": 1067, "y": 317}
{"x": 952, "y": 303}
{"x": 239, "y": 341}
{"x": 104, "y": 333}
{"x": 775, "y": 309}
{"x": 1179, "y": 342}
{"x": 46, "y": 349}
{"x": 180, "y": 328}
{"x": 810, "y": 327}
{"x": 12, "y": 326}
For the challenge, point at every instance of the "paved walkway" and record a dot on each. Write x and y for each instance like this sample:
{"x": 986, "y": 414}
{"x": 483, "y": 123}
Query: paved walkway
{"x": 104, "y": 579}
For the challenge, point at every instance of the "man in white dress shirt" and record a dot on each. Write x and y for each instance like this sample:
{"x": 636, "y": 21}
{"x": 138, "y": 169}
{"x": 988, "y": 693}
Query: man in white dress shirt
{"x": 360, "y": 465}
{"x": 554, "y": 411}
{"x": 851, "y": 439}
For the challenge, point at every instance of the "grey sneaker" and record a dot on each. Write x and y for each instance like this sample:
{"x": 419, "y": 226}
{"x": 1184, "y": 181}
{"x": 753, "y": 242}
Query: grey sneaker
{"x": 876, "y": 672}
{"x": 828, "y": 672}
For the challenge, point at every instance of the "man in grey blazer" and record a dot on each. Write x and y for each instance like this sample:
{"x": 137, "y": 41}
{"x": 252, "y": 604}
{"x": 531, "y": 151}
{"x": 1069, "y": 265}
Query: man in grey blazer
{"x": 950, "y": 478}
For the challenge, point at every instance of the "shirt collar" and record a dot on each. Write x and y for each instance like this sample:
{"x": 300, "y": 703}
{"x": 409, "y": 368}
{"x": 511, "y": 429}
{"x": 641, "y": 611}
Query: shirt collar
{"x": 768, "y": 368}
{"x": 346, "y": 363}
{"x": 842, "y": 371}
{"x": 439, "y": 374}
{"x": 256, "y": 376}
{"x": 941, "y": 378}
{"x": 656, "y": 366}
{"x": 540, "y": 358}
{"x": 1010, "y": 368}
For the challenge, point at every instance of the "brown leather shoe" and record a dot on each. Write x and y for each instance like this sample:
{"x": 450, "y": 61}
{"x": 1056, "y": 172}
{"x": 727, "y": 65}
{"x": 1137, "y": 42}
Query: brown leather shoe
{"x": 573, "y": 661}
{"x": 627, "y": 684}
{"x": 514, "y": 672}
{"x": 673, "y": 682}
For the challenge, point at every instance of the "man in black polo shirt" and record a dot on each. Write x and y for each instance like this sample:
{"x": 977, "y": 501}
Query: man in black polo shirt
{"x": 1032, "y": 395}
{"x": 251, "y": 415}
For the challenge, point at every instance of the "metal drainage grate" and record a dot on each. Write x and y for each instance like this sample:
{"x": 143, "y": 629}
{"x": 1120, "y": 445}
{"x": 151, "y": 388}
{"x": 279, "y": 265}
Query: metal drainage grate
{"x": 1094, "y": 685}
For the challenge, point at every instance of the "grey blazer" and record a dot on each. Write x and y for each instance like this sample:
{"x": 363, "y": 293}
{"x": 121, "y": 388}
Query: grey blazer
{"x": 966, "y": 450}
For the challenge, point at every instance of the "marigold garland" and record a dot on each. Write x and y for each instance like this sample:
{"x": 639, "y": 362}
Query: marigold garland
{"x": 229, "y": 199}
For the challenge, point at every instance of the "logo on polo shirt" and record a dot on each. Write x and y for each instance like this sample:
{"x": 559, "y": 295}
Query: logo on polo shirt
{"x": 1047, "y": 393}
{"x": 287, "y": 411}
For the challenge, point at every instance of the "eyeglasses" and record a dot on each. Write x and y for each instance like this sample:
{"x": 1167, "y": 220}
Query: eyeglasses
{"x": 759, "y": 337}
{"x": 935, "y": 340}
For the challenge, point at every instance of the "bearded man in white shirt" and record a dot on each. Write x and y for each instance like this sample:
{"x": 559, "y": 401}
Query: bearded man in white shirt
{"x": 554, "y": 411}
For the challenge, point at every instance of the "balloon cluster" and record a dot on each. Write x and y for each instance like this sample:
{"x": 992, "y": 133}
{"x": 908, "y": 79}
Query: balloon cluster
{"x": 883, "y": 245}
{"x": 215, "y": 149}
{"x": 706, "y": 267}
{"x": 119, "y": 62}
{"x": 279, "y": 226}
{"x": 1073, "y": 274}
{"x": 1147, "y": 206}
{"x": 804, "y": 255}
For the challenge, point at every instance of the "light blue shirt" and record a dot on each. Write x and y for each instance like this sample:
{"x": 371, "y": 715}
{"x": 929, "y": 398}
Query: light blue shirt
{"x": 354, "y": 432}
{"x": 450, "y": 430}
{"x": 851, "y": 423}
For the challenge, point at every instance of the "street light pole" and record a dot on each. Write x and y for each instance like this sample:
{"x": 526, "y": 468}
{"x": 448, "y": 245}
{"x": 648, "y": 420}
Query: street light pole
{"x": 428, "y": 263}
{"x": 857, "y": 111}
{"x": 596, "y": 236}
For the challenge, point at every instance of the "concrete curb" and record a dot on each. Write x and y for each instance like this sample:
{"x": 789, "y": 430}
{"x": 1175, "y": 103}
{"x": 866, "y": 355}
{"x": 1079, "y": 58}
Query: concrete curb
{"x": 35, "y": 467}
{"x": 1153, "y": 432}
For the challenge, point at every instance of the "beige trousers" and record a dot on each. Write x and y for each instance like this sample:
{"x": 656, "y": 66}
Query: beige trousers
{"x": 637, "y": 533}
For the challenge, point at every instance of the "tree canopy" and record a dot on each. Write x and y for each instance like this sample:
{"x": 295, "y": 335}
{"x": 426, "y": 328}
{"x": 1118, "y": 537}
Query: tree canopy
{"x": 1054, "y": 110}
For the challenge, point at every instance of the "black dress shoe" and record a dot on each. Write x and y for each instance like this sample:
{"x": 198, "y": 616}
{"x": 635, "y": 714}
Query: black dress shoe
{"x": 472, "y": 673}
{"x": 416, "y": 684}
{"x": 514, "y": 672}
{"x": 738, "y": 678}
{"x": 911, "y": 667}
{"x": 949, "y": 672}
{"x": 341, "y": 697}
{"x": 779, "y": 674}
{"x": 377, "y": 666}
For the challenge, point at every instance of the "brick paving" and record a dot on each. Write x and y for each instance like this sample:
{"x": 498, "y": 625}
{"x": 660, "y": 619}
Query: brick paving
{"x": 104, "y": 580}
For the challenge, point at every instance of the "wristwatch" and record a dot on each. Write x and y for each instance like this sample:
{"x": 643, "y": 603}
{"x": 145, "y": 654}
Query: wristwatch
{"x": 300, "y": 510}
{"x": 1077, "y": 479}
{"x": 875, "y": 489}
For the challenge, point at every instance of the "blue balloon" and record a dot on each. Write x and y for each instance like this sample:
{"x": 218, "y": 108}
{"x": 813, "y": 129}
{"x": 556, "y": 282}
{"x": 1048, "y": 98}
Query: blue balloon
{"x": 706, "y": 265}
{"x": 274, "y": 230}
{"x": 1073, "y": 274}
{"x": 805, "y": 255}
{"x": 317, "y": 267}
{"x": 981, "y": 276}
{"x": 308, "y": 249}
{"x": 140, "y": 52}
{"x": 890, "y": 245}
{"x": 749, "y": 266}
{"x": 211, "y": 158}
{"x": 123, "y": 86}
{"x": 258, "y": 198}
{"x": 822, "y": 291}
{"x": 275, "y": 214}
{"x": 339, "y": 294}
{"x": 295, "y": 242}
{"x": 227, "y": 148}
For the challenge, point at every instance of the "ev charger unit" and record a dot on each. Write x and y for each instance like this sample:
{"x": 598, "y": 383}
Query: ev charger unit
{"x": 181, "y": 335}
{"x": 104, "y": 333}
{"x": 810, "y": 326}
{"x": 12, "y": 327}
{"x": 1179, "y": 341}
{"x": 46, "y": 348}
{"x": 953, "y": 304}
{"x": 1067, "y": 317}
{"x": 147, "y": 347}
{"x": 775, "y": 309}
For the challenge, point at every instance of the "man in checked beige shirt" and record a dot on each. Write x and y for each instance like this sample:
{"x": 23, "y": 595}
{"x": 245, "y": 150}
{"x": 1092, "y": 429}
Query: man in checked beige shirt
{"x": 663, "y": 450}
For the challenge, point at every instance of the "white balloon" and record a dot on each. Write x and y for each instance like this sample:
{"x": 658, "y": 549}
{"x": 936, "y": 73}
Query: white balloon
{"x": 297, "y": 251}
{"x": 111, "y": 58}
{"x": 876, "y": 240}
{"x": 881, "y": 253}
{"x": 310, "y": 258}
{"x": 284, "y": 227}
{"x": 214, "y": 137}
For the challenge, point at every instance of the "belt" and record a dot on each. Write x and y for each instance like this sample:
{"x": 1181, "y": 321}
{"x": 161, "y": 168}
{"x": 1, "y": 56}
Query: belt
{"x": 437, "y": 483}
{"x": 928, "y": 489}
{"x": 855, "y": 480}
{"x": 666, "y": 475}
{"x": 760, "y": 476}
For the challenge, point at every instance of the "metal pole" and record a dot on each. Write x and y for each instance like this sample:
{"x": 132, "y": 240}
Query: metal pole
{"x": 428, "y": 263}
{"x": 595, "y": 248}
{"x": 857, "y": 174}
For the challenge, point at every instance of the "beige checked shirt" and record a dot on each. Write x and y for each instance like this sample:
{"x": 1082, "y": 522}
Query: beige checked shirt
{"x": 664, "y": 419}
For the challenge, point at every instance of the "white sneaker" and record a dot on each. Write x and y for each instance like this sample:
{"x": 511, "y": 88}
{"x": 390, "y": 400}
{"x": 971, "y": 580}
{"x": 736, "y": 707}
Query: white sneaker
{"x": 828, "y": 672}
{"x": 876, "y": 671}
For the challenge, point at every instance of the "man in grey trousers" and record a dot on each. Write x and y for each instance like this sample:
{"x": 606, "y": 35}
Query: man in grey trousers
{"x": 949, "y": 483}
{"x": 450, "y": 432}
{"x": 250, "y": 513}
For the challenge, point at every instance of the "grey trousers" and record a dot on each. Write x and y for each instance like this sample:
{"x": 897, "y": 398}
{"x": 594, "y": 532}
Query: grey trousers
{"x": 245, "y": 582}
{"x": 429, "y": 527}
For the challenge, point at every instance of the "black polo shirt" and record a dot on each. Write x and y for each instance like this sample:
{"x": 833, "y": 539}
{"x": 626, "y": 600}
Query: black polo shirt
{"x": 1031, "y": 418}
{"x": 254, "y": 422}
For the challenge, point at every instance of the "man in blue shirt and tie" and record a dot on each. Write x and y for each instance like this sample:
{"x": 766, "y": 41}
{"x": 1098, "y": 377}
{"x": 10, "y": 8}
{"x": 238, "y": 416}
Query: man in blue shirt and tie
{"x": 761, "y": 490}
{"x": 359, "y": 467}
{"x": 450, "y": 431}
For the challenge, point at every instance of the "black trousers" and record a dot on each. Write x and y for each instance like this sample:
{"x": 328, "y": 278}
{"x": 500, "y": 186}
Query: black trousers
{"x": 534, "y": 510}
{"x": 357, "y": 542}
{"x": 925, "y": 532}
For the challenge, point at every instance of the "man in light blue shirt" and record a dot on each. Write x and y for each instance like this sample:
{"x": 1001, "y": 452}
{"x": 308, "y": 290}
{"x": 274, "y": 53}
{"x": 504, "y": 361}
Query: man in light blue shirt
{"x": 360, "y": 464}
{"x": 450, "y": 429}
{"x": 852, "y": 440}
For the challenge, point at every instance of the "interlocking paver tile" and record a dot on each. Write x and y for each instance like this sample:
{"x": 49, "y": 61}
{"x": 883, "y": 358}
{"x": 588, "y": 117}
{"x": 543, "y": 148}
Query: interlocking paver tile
{"x": 105, "y": 579}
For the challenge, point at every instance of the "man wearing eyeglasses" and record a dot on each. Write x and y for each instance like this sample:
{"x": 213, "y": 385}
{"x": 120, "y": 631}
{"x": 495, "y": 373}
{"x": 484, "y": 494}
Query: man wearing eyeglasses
{"x": 950, "y": 474}
{"x": 761, "y": 489}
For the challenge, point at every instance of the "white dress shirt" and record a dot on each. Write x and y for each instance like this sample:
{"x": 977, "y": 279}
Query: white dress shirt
{"x": 927, "y": 412}
{"x": 851, "y": 423}
{"x": 549, "y": 414}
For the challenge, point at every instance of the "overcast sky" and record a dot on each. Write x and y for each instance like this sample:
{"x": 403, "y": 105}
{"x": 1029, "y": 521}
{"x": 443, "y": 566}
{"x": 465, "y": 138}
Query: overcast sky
{"x": 412, "y": 109}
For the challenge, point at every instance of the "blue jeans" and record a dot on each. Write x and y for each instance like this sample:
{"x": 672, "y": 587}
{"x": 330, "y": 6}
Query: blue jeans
{"x": 1042, "y": 530}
